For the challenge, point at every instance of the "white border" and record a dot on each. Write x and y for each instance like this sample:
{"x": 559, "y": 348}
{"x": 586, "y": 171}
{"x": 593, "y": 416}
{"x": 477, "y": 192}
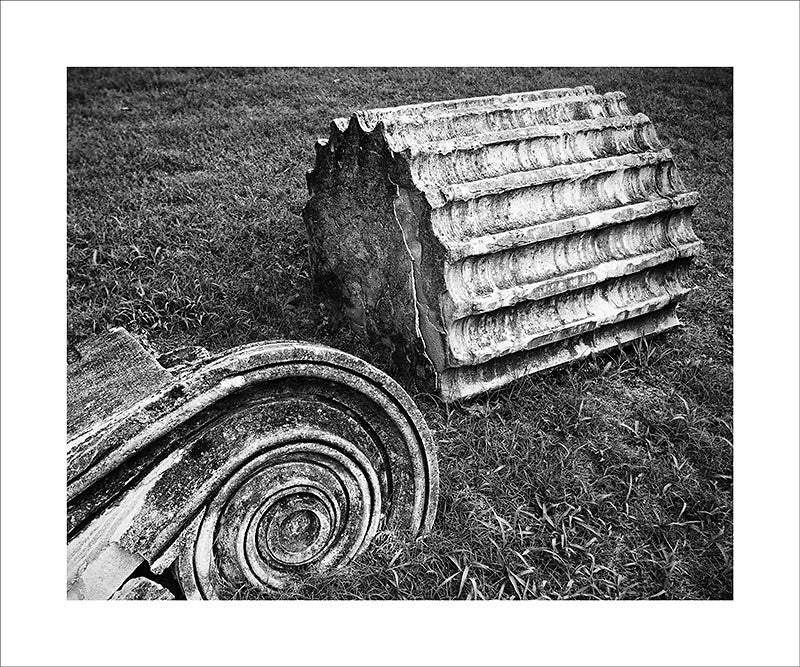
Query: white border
{"x": 759, "y": 39}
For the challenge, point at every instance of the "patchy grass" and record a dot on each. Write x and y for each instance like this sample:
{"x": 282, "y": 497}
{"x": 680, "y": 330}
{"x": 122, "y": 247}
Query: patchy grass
{"x": 611, "y": 478}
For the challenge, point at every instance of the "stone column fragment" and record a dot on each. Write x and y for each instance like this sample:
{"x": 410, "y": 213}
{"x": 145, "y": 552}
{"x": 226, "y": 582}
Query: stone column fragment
{"x": 250, "y": 469}
{"x": 484, "y": 239}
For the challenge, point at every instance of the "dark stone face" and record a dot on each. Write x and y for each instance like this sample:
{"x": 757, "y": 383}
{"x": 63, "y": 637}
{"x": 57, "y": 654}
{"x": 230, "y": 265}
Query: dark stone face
{"x": 359, "y": 246}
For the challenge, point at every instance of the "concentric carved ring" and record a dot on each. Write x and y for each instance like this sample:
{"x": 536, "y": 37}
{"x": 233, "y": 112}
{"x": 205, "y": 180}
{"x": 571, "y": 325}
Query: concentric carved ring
{"x": 308, "y": 505}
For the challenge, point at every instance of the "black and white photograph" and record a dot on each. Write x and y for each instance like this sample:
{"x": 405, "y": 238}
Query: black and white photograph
{"x": 475, "y": 342}
{"x": 413, "y": 340}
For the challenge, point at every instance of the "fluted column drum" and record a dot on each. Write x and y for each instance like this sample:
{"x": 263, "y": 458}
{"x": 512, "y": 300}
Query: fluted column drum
{"x": 484, "y": 239}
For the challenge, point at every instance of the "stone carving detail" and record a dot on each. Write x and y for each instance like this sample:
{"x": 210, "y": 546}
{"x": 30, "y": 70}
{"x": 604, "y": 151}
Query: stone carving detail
{"x": 494, "y": 237}
{"x": 248, "y": 469}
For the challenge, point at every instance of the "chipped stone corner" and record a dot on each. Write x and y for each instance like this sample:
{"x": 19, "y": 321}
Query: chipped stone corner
{"x": 141, "y": 588}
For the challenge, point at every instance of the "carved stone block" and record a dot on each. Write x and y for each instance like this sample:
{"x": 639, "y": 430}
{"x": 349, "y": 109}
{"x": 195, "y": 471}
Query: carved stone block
{"x": 247, "y": 469}
{"x": 489, "y": 238}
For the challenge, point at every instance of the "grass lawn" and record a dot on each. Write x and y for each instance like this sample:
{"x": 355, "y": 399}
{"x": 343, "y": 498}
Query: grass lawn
{"x": 611, "y": 478}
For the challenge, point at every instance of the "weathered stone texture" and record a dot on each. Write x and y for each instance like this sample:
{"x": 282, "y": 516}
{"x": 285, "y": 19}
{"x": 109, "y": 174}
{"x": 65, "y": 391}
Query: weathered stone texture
{"x": 494, "y": 237}
{"x": 141, "y": 588}
{"x": 248, "y": 469}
